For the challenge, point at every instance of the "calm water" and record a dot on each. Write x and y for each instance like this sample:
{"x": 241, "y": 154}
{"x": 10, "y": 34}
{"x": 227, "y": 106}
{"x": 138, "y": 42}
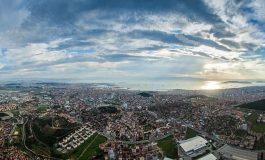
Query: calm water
{"x": 189, "y": 84}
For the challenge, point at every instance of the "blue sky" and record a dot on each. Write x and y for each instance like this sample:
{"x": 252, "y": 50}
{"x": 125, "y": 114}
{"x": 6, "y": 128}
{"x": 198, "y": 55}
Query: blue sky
{"x": 121, "y": 41}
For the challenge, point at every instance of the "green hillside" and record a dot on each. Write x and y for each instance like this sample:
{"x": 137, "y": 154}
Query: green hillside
{"x": 256, "y": 105}
{"x": 145, "y": 94}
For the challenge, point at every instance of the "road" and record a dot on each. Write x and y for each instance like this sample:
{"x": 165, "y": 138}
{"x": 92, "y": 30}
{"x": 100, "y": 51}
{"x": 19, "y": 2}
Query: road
{"x": 208, "y": 135}
{"x": 28, "y": 149}
{"x": 36, "y": 138}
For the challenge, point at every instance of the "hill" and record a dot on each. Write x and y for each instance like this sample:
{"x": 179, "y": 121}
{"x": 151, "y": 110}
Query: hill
{"x": 256, "y": 105}
{"x": 145, "y": 94}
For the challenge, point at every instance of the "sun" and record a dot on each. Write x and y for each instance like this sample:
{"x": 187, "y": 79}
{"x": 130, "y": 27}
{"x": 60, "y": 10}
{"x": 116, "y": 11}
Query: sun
{"x": 211, "y": 85}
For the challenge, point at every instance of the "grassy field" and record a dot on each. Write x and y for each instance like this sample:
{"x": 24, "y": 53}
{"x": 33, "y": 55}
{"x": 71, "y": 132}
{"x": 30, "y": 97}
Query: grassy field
{"x": 257, "y": 127}
{"x": 190, "y": 133}
{"x": 93, "y": 149}
{"x": 89, "y": 148}
{"x": 169, "y": 147}
{"x": 40, "y": 149}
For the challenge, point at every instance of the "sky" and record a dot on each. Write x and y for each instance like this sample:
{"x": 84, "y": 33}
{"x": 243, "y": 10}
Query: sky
{"x": 172, "y": 43}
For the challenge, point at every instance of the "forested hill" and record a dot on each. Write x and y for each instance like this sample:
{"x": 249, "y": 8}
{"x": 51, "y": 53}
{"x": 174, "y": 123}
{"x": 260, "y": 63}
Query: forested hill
{"x": 257, "y": 105}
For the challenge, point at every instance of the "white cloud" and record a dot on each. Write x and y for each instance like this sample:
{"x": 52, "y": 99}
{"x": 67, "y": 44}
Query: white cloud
{"x": 12, "y": 15}
{"x": 248, "y": 69}
{"x": 259, "y": 9}
{"x": 236, "y": 22}
{"x": 185, "y": 47}
{"x": 193, "y": 28}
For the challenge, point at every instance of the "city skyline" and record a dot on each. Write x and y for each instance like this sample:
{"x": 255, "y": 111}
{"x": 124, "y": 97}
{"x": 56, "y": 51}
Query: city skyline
{"x": 159, "y": 44}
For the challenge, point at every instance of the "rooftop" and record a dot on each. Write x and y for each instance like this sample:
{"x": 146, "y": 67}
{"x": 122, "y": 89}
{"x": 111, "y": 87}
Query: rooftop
{"x": 194, "y": 143}
{"x": 209, "y": 156}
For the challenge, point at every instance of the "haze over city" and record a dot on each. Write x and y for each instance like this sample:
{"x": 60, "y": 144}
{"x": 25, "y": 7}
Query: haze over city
{"x": 153, "y": 44}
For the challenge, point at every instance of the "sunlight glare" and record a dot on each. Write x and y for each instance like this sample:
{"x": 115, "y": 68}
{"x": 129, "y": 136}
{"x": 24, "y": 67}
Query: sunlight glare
{"x": 211, "y": 85}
